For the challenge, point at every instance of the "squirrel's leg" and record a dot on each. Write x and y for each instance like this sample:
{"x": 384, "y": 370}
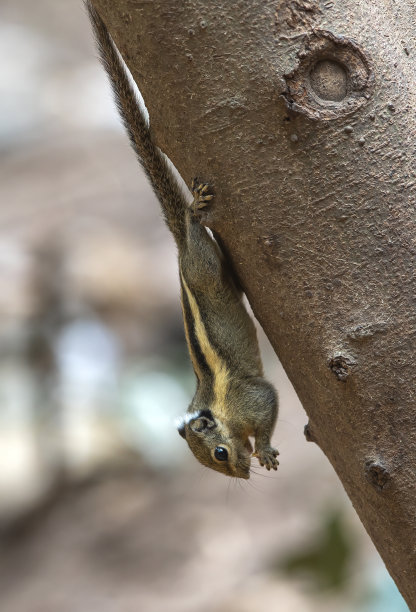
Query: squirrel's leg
{"x": 265, "y": 453}
{"x": 264, "y": 420}
{"x": 201, "y": 260}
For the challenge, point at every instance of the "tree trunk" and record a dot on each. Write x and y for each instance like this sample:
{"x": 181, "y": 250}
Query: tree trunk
{"x": 301, "y": 113}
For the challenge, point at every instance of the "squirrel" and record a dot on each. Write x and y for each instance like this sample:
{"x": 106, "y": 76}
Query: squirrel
{"x": 233, "y": 401}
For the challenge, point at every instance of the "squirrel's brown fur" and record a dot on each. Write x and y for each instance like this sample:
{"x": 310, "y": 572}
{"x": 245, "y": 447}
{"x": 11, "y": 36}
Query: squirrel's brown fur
{"x": 232, "y": 401}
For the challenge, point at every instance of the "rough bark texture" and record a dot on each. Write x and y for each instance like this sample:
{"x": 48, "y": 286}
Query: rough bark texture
{"x": 302, "y": 115}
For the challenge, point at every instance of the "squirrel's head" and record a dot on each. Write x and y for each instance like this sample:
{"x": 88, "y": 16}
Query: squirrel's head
{"x": 214, "y": 445}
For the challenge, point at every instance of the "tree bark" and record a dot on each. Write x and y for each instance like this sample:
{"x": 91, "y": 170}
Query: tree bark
{"x": 301, "y": 113}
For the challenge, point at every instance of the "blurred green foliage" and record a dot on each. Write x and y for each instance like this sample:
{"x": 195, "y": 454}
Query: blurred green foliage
{"x": 326, "y": 560}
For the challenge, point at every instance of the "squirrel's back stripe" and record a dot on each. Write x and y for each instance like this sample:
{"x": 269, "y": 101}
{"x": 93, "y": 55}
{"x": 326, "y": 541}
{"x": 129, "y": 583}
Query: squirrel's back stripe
{"x": 199, "y": 362}
{"x": 216, "y": 364}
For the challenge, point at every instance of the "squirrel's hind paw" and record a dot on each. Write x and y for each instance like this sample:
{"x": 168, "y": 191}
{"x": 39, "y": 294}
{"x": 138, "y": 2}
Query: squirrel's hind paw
{"x": 201, "y": 197}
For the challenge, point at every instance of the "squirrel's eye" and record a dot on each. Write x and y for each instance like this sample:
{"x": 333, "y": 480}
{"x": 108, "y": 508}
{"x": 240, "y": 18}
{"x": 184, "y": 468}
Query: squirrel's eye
{"x": 221, "y": 454}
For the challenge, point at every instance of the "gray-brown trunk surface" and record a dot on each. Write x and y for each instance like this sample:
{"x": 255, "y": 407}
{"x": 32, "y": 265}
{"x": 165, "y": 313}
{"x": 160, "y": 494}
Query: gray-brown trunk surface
{"x": 302, "y": 115}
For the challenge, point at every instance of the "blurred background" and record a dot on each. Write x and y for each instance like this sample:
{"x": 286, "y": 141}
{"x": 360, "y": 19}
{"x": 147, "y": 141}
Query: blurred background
{"x": 102, "y": 505}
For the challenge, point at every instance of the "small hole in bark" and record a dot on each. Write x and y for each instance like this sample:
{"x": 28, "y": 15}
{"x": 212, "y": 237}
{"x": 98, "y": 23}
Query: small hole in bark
{"x": 328, "y": 80}
{"x": 333, "y": 77}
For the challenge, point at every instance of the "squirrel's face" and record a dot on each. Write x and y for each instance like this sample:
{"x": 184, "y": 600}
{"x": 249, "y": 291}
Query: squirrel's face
{"x": 214, "y": 446}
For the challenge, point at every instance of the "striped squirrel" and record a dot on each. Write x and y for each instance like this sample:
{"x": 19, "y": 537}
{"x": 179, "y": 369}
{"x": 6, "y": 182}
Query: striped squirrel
{"x": 232, "y": 401}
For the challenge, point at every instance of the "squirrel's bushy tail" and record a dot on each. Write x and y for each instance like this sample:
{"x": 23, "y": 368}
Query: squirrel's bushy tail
{"x": 152, "y": 160}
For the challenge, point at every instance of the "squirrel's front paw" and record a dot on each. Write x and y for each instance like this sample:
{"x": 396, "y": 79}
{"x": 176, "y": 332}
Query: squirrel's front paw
{"x": 267, "y": 457}
{"x": 201, "y": 195}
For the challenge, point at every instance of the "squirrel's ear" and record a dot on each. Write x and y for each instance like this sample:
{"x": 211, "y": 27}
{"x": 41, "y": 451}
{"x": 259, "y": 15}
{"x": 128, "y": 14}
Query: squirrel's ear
{"x": 201, "y": 423}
